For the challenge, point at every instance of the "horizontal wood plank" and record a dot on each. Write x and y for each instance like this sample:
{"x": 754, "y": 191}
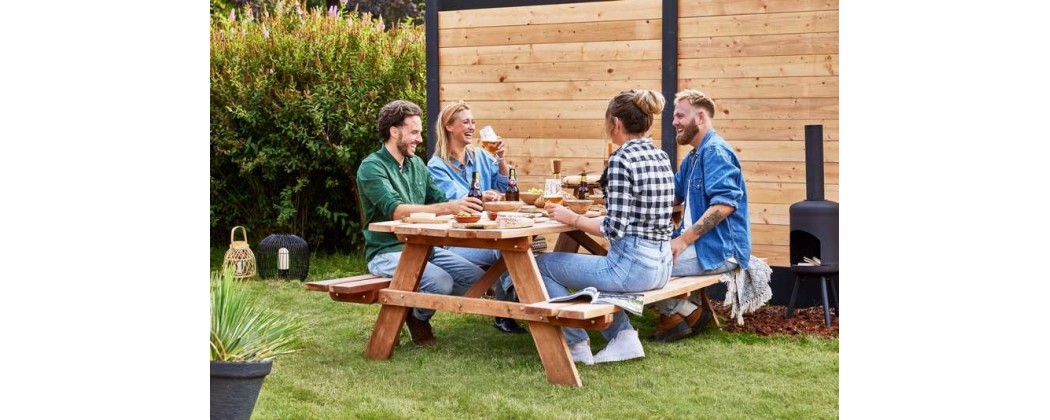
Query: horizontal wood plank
{"x": 629, "y": 30}
{"x": 647, "y": 49}
{"x": 759, "y": 24}
{"x": 770, "y": 214}
{"x": 811, "y": 43}
{"x": 793, "y": 130}
{"x": 785, "y": 172}
{"x": 553, "y": 129}
{"x": 765, "y": 87}
{"x": 690, "y": 8}
{"x": 556, "y": 148}
{"x": 533, "y": 110}
{"x": 770, "y": 234}
{"x": 785, "y": 193}
{"x": 774, "y": 66}
{"x": 776, "y": 255}
{"x": 459, "y": 304}
{"x": 326, "y": 285}
{"x": 550, "y": 90}
{"x": 780, "y": 151}
{"x": 550, "y": 14}
{"x": 560, "y": 71}
{"x": 360, "y": 286}
{"x": 779, "y": 109}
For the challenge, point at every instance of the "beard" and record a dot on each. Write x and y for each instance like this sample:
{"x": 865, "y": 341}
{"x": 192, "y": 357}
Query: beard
{"x": 688, "y": 133}
{"x": 404, "y": 146}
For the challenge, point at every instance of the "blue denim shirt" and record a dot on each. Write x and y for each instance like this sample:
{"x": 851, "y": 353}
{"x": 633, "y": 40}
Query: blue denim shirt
{"x": 456, "y": 183}
{"x": 712, "y": 175}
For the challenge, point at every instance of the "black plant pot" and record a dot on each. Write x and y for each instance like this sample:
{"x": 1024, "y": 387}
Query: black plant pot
{"x": 235, "y": 387}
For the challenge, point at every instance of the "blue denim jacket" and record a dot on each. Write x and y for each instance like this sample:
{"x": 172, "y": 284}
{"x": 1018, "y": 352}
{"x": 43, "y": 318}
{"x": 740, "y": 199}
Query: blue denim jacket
{"x": 456, "y": 183}
{"x": 712, "y": 175}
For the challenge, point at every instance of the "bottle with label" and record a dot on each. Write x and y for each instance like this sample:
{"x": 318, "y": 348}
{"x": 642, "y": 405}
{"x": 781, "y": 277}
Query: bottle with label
{"x": 512, "y": 187}
{"x": 582, "y": 191}
{"x": 475, "y": 187}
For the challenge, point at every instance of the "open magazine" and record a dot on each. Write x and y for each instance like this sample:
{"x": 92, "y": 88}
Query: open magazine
{"x": 630, "y": 302}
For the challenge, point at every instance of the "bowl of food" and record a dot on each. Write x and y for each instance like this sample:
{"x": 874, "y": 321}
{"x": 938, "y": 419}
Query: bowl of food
{"x": 598, "y": 199}
{"x": 498, "y": 206}
{"x": 531, "y": 195}
{"x": 578, "y": 206}
{"x": 465, "y": 217}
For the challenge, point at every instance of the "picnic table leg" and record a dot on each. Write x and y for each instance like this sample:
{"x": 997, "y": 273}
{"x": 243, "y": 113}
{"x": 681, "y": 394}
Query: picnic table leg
{"x": 566, "y": 243}
{"x": 391, "y": 318}
{"x": 706, "y": 302}
{"x": 549, "y": 339}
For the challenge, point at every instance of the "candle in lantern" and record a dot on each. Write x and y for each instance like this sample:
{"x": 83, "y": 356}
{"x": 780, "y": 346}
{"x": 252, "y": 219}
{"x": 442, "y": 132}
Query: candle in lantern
{"x": 282, "y": 259}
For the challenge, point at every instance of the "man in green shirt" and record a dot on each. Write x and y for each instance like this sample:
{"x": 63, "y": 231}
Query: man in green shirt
{"x": 393, "y": 183}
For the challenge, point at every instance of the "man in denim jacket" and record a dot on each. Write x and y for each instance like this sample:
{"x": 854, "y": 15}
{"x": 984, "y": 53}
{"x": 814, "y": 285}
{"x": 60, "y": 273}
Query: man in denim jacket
{"x": 715, "y": 235}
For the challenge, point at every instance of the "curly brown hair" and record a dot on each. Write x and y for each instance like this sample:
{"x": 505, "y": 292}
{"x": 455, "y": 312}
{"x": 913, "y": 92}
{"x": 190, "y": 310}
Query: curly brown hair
{"x": 393, "y": 114}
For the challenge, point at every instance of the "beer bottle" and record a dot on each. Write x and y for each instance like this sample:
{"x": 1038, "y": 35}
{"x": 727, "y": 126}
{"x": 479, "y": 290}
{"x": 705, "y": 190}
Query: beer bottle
{"x": 475, "y": 187}
{"x": 512, "y": 186}
{"x": 582, "y": 191}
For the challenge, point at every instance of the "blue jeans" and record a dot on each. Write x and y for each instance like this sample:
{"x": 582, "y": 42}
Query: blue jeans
{"x": 485, "y": 258}
{"x": 633, "y": 264}
{"x": 445, "y": 273}
{"x": 689, "y": 265}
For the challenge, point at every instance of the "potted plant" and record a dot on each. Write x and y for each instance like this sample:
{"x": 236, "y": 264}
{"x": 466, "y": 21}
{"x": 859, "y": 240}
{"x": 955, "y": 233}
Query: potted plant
{"x": 244, "y": 340}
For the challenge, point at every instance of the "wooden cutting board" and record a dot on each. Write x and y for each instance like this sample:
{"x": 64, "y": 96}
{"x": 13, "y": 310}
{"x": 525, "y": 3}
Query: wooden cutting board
{"x": 431, "y": 221}
{"x": 481, "y": 224}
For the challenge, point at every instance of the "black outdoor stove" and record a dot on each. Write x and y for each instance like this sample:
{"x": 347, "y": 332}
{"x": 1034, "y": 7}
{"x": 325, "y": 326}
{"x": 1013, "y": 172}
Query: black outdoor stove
{"x": 815, "y": 228}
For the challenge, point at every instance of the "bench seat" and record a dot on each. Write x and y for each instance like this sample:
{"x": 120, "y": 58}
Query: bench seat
{"x": 365, "y": 288}
{"x": 676, "y": 286}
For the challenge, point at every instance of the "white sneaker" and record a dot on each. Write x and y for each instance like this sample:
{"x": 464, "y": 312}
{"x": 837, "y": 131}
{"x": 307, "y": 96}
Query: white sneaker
{"x": 624, "y": 346}
{"x": 581, "y": 353}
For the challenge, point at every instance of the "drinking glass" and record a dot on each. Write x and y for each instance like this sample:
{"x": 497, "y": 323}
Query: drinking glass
{"x": 489, "y": 140}
{"x": 552, "y": 191}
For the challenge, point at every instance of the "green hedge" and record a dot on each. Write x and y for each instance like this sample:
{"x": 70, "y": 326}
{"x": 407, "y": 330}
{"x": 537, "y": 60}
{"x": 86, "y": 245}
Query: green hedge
{"x": 294, "y": 98}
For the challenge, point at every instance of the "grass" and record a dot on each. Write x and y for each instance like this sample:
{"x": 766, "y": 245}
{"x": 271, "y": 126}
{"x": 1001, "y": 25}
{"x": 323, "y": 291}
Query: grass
{"x": 477, "y": 372}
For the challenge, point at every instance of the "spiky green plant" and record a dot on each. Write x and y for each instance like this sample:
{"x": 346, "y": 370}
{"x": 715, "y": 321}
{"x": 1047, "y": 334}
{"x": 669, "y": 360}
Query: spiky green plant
{"x": 242, "y": 331}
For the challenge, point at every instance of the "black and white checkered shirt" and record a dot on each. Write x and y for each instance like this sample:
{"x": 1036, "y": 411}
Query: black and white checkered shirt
{"x": 640, "y": 192}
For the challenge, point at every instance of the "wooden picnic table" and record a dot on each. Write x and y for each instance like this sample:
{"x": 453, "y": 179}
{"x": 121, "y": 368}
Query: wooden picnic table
{"x": 545, "y": 319}
{"x": 517, "y": 258}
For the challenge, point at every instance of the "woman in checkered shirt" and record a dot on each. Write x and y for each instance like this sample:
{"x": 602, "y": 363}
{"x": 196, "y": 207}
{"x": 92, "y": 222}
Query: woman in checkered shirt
{"x": 639, "y": 198}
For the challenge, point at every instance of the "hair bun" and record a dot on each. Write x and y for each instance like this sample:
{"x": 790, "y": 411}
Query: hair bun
{"x": 649, "y": 101}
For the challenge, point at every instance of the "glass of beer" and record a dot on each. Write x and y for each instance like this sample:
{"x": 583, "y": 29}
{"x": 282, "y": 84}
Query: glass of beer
{"x": 489, "y": 140}
{"x": 552, "y": 192}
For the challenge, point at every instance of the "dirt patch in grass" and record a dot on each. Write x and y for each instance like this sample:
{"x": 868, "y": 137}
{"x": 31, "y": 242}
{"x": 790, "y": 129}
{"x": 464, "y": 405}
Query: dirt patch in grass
{"x": 769, "y": 320}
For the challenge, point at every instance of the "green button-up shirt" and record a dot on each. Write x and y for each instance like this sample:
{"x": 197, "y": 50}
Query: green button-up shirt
{"x": 382, "y": 185}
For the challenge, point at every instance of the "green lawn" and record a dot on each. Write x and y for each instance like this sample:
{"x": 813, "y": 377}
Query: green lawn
{"x": 477, "y": 372}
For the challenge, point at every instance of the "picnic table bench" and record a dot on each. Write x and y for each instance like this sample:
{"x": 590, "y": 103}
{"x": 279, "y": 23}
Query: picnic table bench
{"x": 398, "y": 294}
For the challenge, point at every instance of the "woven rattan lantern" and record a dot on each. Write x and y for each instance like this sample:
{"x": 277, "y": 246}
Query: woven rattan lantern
{"x": 284, "y": 256}
{"x": 239, "y": 258}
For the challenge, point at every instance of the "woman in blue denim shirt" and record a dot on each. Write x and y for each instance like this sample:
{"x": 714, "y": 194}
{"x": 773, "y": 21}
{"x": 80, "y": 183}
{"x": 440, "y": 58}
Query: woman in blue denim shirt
{"x": 455, "y": 160}
{"x": 639, "y": 198}
{"x": 716, "y": 233}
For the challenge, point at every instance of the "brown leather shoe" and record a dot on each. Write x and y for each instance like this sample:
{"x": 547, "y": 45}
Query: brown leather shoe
{"x": 420, "y": 331}
{"x": 699, "y": 320}
{"x": 671, "y": 327}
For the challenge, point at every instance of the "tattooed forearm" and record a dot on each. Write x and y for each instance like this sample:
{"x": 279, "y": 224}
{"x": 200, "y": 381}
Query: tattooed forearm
{"x": 707, "y": 222}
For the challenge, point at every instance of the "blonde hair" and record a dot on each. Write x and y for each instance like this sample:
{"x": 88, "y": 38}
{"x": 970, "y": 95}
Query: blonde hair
{"x": 636, "y": 108}
{"x": 697, "y": 99}
{"x": 445, "y": 117}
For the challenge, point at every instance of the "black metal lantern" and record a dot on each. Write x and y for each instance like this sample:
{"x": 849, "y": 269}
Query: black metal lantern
{"x": 283, "y": 256}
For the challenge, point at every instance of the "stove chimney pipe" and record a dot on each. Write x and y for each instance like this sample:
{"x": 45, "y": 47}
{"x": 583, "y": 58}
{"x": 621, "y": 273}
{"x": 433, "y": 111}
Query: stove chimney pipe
{"x": 815, "y": 162}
